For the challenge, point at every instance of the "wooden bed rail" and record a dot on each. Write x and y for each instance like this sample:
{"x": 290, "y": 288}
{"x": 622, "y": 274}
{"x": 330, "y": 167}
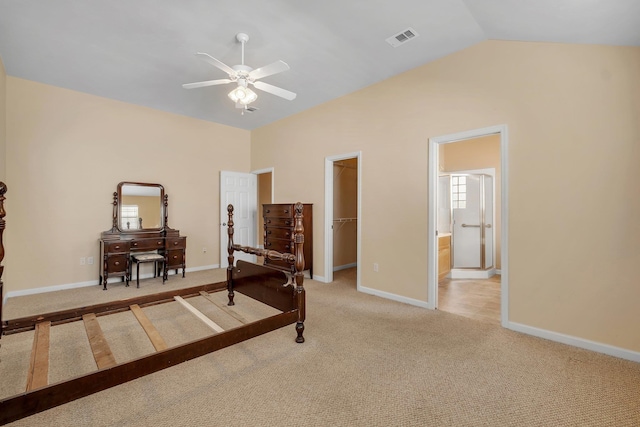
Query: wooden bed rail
{"x": 3, "y": 191}
{"x": 296, "y": 260}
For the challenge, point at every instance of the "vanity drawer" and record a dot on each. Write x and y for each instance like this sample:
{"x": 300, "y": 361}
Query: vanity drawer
{"x": 176, "y": 243}
{"x": 175, "y": 258}
{"x": 117, "y": 263}
{"x": 278, "y": 222}
{"x": 147, "y": 244}
{"x": 279, "y": 233}
{"x": 117, "y": 246}
{"x": 281, "y": 211}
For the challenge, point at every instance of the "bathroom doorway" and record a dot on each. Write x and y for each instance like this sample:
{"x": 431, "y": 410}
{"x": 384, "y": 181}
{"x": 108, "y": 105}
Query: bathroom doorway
{"x": 466, "y": 159}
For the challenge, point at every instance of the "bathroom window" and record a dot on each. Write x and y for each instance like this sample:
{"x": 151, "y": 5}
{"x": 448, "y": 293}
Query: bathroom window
{"x": 129, "y": 217}
{"x": 459, "y": 192}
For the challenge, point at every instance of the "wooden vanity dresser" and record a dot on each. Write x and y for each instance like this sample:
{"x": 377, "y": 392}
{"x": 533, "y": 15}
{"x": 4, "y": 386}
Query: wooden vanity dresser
{"x": 149, "y": 204}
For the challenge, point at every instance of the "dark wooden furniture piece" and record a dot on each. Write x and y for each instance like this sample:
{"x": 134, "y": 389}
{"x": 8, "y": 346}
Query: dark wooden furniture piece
{"x": 121, "y": 241}
{"x": 138, "y": 259}
{"x": 264, "y": 284}
{"x": 279, "y": 231}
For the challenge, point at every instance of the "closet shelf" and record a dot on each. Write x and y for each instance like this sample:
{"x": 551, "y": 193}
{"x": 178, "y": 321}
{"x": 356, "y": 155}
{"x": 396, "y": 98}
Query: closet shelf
{"x": 344, "y": 219}
{"x": 342, "y": 222}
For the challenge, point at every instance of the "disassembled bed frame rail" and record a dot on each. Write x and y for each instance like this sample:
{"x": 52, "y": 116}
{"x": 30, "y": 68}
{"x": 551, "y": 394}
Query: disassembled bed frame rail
{"x": 262, "y": 283}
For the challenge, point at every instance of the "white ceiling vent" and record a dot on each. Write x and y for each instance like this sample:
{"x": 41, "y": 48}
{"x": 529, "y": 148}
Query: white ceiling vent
{"x": 402, "y": 37}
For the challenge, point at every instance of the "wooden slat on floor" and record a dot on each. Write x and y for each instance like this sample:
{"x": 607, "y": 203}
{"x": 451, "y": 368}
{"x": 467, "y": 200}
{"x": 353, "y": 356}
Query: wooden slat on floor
{"x": 38, "y": 375}
{"x": 210, "y": 323}
{"x": 224, "y": 307}
{"x": 101, "y": 351}
{"x": 152, "y": 332}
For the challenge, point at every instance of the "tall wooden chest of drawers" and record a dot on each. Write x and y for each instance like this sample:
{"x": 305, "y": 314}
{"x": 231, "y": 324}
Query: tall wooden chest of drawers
{"x": 278, "y": 232}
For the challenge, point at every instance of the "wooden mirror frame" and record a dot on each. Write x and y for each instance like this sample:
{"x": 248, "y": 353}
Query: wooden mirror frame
{"x": 117, "y": 207}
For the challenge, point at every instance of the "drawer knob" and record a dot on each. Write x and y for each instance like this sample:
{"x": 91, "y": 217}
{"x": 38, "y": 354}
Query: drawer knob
{"x": 286, "y": 211}
{"x": 175, "y": 257}
{"x": 135, "y": 243}
{"x": 287, "y": 222}
{"x": 117, "y": 263}
{"x": 268, "y": 210}
{"x": 159, "y": 243}
{"x": 268, "y": 221}
{"x": 117, "y": 247}
{"x": 269, "y": 232}
{"x": 175, "y": 243}
{"x": 269, "y": 244}
{"x": 286, "y": 246}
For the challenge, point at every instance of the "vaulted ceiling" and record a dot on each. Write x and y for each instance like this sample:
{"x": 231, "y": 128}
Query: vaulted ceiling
{"x": 142, "y": 51}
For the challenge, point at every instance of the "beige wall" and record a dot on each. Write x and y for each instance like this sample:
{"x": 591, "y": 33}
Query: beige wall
{"x": 574, "y": 148}
{"x": 3, "y": 123}
{"x": 66, "y": 154}
{"x": 478, "y": 153}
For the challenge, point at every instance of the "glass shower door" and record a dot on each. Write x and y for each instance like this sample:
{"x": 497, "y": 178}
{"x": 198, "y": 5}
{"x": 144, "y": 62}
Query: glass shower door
{"x": 467, "y": 227}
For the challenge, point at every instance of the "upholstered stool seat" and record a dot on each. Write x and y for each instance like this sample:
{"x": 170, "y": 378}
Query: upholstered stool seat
{"x": 155, "y": 258}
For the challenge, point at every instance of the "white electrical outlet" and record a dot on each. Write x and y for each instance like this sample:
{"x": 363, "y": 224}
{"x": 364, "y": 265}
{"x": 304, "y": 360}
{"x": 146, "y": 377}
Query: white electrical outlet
{"x": 83, "y": 261}
{"x": 204, "y": 250}
{"x": 90, "y": 260}
{"x": 375, "y": 267}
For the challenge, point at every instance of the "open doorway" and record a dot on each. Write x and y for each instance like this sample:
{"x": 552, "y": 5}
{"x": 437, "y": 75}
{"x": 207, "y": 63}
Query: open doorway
{"x": 342, "y": 218}
{"x": 471, "y": 286}
{"x": 265, "y": 196}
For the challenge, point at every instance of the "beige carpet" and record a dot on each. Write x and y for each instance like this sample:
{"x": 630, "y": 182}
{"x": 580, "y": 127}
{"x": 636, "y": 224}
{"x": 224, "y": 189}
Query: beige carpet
{"x": 366, "y": 362}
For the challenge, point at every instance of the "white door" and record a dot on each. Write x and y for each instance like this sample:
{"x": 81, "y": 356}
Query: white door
{"x": 240, "y": 190}
{"x": 467, "y": 242}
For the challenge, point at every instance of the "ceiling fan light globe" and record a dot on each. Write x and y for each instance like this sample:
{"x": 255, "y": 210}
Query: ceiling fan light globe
{"x": 243, "y": 95}
{"x": 249, "y": 98}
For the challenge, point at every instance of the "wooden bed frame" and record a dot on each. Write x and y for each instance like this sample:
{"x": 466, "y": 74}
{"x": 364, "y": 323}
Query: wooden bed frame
{"x": 264, "y": 284}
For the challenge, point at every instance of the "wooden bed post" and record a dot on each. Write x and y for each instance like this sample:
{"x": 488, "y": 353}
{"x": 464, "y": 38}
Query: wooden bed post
{"x": 230, "y": 257}
{"x": 3, "y": 190}
{"x": 299, "y": 275}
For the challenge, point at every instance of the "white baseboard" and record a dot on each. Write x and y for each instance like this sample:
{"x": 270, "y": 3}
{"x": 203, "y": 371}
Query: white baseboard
{"x": 393, "y": 297}
{"x": 610, "y": 350}
{"x": 461, "y": 273}
{"x": 344, "y": 267}
{"x": 44, "y": 289}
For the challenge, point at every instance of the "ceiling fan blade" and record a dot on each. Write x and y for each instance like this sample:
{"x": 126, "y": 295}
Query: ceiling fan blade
{"x": 207, "y": 83}
{"x": 216, "y": 63}
{"x": 268, "y": 70}
{"x": 282, "y": 93}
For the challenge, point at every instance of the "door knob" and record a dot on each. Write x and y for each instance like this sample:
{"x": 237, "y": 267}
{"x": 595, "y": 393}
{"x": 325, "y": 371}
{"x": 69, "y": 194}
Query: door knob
{"x": 224, "y": 224}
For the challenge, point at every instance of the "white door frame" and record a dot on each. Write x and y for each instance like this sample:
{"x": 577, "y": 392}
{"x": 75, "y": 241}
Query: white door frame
{"x": 432, "y": 262}
{"x": 260, "y": 244}
{"x": 328, "y": 216}
{"x": 273, "y": 173}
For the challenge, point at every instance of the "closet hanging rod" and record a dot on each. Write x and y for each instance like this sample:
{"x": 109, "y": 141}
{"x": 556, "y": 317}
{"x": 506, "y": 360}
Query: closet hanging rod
{"x": 345, "y": 219}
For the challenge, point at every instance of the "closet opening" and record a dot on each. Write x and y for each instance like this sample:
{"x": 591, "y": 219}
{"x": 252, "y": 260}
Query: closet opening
{"x": 342, "y": 218}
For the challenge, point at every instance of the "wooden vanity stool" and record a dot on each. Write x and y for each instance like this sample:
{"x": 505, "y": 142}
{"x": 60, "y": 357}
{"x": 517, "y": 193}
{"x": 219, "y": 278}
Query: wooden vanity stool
{"x": 143, "y": 258}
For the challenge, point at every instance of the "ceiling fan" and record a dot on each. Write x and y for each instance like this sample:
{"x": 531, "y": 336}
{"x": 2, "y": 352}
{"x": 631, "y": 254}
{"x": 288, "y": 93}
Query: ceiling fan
{"x": 244, "y": 76}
